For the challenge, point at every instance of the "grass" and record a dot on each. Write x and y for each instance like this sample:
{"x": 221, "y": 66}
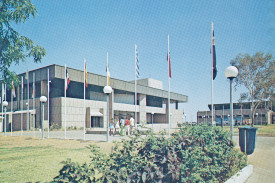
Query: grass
{"x": 25, "y": 159}
{"x": 263, "y": 130}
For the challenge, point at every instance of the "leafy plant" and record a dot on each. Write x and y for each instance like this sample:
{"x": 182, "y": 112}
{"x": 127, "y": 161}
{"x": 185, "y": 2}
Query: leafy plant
{"x": 194, "y": 154}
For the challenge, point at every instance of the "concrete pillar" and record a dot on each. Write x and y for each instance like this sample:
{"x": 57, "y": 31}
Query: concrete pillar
{"x": 142, "y": 108}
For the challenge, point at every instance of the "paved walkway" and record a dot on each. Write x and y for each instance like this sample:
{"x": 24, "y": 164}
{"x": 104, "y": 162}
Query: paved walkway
{"x": 75, "y": 134}
{"x": 263, "y": 160}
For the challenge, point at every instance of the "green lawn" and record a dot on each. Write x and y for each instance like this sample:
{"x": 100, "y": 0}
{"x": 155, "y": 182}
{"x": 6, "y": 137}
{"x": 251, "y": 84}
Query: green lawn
{"x": 29, "y": 160}
{"x": 264, "y": 130}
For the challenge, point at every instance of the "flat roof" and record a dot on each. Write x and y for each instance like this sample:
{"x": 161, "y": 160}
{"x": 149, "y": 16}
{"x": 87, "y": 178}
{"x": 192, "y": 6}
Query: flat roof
{"x": 57, "y": 71}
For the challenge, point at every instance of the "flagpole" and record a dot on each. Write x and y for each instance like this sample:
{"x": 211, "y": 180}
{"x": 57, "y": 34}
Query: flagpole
{"x": 33, "y": 101}
{"x": 2, "y": 99}
{"x": 48, "y": 103}
{"x": 212, "y": 74}
{"x": 22, "y": 88}
{"x": 65, "y": 81}
{"x": 84, "y": 87}
{"x": 12, "y": 95}
{"x": 5, "y": 92}
{"x": 135, "y": 85}
{"x": 28, "y": 107}
{"x": 169, "y": 88}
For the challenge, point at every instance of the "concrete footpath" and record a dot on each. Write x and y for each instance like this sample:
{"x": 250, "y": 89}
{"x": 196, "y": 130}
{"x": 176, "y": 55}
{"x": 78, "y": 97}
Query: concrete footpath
{"x": 263, "y": 160}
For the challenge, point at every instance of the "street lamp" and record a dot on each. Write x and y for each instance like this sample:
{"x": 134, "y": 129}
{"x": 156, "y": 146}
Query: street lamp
{"x": 28, "y": 127}
{"x": 107, "y": 90}
{"x": 230, "y": 73}
{"x": 152, "y": 120}
{"x": 256, "y": 118}
{"x": 43, "y": 99}
{"x": 5, "y": 104}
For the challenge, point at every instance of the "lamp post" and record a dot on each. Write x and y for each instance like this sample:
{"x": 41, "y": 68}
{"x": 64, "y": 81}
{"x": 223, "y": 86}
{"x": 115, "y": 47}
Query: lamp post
{"x": 5, "y": 104}
{"x": 43, "y": 99}
{"x": 230, "y": 73}
{"x": 107, "y": 90}
{"x": 152, "y": 120}
{"x": 256, "y": 118}
{"x": 28, "y": 127}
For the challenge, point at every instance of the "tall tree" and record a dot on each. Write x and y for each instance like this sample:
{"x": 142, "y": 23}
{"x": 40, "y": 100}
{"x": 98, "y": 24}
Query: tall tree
{"x": 15, "y": 48}
{"x": 257, "y": 75}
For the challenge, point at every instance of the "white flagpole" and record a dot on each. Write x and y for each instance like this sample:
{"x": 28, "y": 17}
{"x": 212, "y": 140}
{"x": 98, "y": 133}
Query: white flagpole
{"x": 11, "y": 105}
{"x": 169, "y": 89}
{"x": 33, "y": 101}
{"x": 135, "y": 85}
{"x": 48, "y": 103}
{"x": 84, "y": 87}
{"x": 28, "y": 107}
{"x": 2, "y": 99}
{"x": 65, "y": 80}
{"x": 212, "y": 74}
{"x": 22, "y": 88}
{"x": 5, "y": 92}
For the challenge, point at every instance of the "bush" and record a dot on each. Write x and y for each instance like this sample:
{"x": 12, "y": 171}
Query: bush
{"x": 194, "y": 154}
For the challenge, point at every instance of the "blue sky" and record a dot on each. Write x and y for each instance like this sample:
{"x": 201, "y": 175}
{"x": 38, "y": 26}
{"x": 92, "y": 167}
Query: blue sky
{"x": 71, "y": 30}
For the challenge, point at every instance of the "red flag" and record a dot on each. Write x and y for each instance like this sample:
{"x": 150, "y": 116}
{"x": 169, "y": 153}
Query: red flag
{"x": 67, "y": 79}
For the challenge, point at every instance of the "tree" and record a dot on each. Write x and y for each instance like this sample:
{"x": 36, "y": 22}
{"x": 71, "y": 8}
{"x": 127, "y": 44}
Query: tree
{"x": 257, "y": 75}
{"x": 15, "y": 48}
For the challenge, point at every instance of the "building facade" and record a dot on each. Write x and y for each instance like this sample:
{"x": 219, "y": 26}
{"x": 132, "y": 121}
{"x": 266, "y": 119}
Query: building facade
{"x": 152, "y": 100}
{"x": 241, "y": 114}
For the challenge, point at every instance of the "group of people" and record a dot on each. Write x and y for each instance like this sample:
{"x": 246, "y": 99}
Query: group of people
{"x": 122, "y": 126}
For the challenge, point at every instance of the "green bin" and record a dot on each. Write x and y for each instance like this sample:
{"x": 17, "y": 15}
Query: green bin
{"x": 247, "y": 139}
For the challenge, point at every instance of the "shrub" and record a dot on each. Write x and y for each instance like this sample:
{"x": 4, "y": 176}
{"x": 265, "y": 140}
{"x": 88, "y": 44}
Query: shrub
{"x": 55, "y": 126}
{"x": 194, "y": 154}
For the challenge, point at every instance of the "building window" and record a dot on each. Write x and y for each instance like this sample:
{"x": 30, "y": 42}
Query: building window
{"x": 96, "y": 122}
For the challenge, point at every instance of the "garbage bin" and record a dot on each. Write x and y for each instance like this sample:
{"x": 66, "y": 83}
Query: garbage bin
{"x": 247, "y": 139}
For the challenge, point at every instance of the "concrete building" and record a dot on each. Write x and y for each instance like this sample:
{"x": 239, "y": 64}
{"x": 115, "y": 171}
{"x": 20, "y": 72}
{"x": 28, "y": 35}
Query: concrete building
{"x": 241, "y": 114}
{"x": 151, "y": 100}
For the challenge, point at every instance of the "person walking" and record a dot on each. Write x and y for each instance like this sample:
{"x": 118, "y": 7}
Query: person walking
{"x": 122, "y": 123}
{"x": 127, "y": 126}
{"x": 132, "y": 124}
{"x": 111, "y": 127}
{"x": 117, "y": 126}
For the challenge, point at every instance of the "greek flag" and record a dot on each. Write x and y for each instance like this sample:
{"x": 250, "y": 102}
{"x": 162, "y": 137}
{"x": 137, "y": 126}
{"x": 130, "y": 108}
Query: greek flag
{"x": 137, "y": 65}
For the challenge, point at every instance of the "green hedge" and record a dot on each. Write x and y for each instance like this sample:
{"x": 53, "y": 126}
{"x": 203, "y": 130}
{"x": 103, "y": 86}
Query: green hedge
{"x": 194, "y": 154}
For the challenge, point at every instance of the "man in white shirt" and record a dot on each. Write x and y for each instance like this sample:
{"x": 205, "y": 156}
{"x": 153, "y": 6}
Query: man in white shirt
{"x": 132, "y": 124}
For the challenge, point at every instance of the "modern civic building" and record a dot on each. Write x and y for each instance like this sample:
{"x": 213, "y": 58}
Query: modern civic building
{"x": 152, "y": 101}
{"x": 241, "y": 113}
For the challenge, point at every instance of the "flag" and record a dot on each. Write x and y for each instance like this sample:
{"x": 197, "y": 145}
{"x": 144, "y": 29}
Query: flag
{"x": 13, "y": 90}
{"x": 108, "y": 72}
{"x": 169, "y": 60}
{"x": 137, "y": 65}
{"x": 86, "y": 74}
{"x": 67, "y": 80}
{"x": 3, "y": 91}
{"x": 214, "y": 69}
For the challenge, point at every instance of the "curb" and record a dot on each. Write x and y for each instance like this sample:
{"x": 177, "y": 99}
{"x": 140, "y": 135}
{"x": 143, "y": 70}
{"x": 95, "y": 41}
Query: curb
{"x": 242, "y": 175}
